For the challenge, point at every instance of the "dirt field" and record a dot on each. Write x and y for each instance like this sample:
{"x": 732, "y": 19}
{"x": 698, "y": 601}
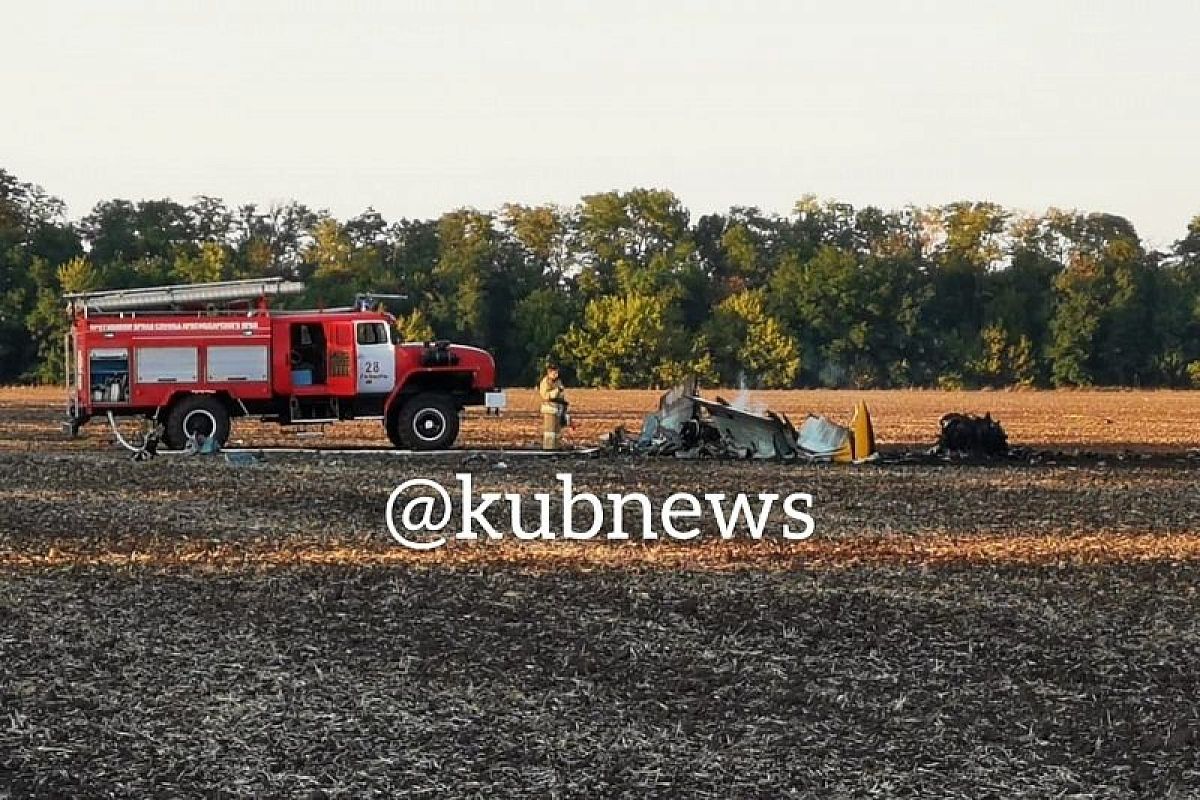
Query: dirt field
{"x": 189, "y": 627}
{"x": 1090, "y": 420}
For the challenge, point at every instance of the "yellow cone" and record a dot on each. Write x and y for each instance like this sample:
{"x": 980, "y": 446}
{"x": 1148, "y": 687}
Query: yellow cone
{"x": 862, "y": 435}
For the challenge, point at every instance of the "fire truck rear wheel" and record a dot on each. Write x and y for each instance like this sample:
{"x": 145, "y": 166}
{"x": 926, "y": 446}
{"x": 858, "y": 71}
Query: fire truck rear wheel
{"x": 426, "y": 422}
{"x": 196, "y": 414}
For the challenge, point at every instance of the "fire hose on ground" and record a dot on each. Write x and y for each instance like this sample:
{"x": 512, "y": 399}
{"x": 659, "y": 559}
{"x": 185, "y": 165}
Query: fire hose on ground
{"x": 148, "y": 448}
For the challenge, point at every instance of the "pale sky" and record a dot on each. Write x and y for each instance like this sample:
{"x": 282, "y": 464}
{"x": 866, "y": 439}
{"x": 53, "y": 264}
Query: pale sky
{"x": 418, "y": 108}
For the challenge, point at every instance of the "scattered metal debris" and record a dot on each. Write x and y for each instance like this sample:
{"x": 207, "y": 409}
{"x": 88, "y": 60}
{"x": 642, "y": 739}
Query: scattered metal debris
{"x": 689, "y": 426}
{"x": 821, "y": 437}
{"x": 750, "y": 435}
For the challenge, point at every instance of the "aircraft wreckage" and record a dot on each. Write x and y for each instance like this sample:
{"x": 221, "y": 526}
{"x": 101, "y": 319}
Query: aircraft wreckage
{"x": 689, "y": 426}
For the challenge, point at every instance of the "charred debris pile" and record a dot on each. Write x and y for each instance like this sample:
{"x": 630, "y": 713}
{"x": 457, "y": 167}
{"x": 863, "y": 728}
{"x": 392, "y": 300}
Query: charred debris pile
{"x": 968, "y": 435}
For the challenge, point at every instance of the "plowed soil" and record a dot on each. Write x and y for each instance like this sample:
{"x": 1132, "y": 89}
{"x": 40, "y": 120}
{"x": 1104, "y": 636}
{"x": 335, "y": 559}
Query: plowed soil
{"x": 191, "y": 627}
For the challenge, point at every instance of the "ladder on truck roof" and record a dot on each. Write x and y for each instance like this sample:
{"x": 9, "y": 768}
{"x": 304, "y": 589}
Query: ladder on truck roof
{"x": 167, "y": 297}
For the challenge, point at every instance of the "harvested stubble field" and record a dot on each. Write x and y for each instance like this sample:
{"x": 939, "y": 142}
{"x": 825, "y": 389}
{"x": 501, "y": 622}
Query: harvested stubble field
{"x": 186, "y": 627}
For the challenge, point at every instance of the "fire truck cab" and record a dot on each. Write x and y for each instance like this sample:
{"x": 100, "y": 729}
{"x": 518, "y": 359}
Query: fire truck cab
{"x": 192, "y": 358}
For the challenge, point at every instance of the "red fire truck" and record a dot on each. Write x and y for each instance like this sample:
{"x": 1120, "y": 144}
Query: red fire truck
{"x": 191, "y": 358}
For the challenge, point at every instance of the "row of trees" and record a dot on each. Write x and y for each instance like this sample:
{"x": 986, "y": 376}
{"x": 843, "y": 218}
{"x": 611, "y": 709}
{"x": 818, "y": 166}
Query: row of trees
{"x": 627, "y": 290}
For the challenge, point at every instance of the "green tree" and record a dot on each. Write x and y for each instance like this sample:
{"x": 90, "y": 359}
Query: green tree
{"x": 547, "y": 236}
{"x": 413, "y": 247}
{"x": 1103, "y": 326}
{"x": 1020, "y": 298}
{"x": 34, "y": 237}
{"x": 273, "y": 242}
{"x": 751, "y": 245}
{"x": 635, "y": 294}
{"x": 963, "y": 242}
{"x": 1179, "y": 297}
{"x": 539, "y": 320}
{"x": 210, "y": 264}
{"x": 78, "y": 275}
{"x": 414, "y": 327}
{"x": 1073, "y": 332}
{"x": 859, "y": 322}
{"x": 637, "y": 241}
{"x": 619, "y": 343}
{"x": 749, "y": 345}
{"x": 121, "y": 232}
{"x": 329, "y": 253}
{"x": 1004, "y": 360}
{"x": 464, "y": 273}
{"x": 48, "y": 320}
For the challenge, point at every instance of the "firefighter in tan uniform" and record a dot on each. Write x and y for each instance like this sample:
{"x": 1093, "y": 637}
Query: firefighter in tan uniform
{"x": 554, "y": 407}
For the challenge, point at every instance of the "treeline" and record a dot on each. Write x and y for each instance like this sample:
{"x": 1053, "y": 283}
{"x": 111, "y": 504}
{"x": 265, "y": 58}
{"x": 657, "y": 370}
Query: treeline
{"x": 626, "y": 289}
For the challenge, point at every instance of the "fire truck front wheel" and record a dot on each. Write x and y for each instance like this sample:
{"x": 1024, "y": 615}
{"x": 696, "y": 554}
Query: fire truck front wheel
{"x": 198, "y": 414}
{"x": 426, "y": 422}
